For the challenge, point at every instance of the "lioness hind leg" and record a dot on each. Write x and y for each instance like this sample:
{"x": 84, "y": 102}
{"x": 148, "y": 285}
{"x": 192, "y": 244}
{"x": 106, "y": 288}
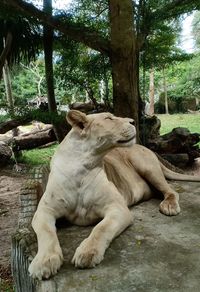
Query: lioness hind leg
{"x": 147, "y": 165}
{"x": 91, "y": 250}
{"x": 49, "y": 257}
{"x": 170, "y": 205}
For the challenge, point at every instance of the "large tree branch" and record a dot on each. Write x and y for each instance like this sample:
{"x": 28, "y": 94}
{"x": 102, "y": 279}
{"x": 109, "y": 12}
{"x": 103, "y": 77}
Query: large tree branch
{"x": 175, "y": 8}
{"x": 79, "y": 33}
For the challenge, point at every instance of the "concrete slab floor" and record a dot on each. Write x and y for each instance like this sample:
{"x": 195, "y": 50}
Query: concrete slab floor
{"x": 157, "y": 253}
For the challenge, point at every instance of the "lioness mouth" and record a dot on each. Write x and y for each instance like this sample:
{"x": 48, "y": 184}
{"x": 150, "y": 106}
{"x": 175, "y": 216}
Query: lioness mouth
{"x": 126, "y": 141}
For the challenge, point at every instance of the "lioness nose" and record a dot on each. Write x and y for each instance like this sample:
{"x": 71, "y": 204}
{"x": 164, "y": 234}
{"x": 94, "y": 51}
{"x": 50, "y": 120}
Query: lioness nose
{"x": 132, "y": 122}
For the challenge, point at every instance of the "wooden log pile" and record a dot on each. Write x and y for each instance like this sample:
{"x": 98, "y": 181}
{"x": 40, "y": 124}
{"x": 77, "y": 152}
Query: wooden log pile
{"x": 30, "y": 140}
{"x": 89, "y": 107}
{"x": 34, "y": 139}
{"x": 178, "y": 147}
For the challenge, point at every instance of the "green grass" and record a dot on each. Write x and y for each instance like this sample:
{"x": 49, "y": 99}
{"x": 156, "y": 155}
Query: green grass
{"x": 190, "y": 121}
{"x": 36, "y": 157}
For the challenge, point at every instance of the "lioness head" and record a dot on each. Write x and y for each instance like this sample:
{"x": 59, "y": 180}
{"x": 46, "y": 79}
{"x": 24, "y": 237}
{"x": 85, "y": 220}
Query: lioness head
{"x": 103, "y": 130}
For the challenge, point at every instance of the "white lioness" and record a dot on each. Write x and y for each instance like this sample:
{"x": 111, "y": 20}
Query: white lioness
{"x": 94, "y": 176}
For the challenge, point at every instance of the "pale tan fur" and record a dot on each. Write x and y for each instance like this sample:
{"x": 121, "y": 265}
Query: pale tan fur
{"x": 96, "y": 173}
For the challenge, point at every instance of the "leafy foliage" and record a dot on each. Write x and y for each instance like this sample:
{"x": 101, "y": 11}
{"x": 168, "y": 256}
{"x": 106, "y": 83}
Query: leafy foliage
{"x": 196, "y": 28}
{"x": 26, "y": 38}
{"x": 81, "y": 70}
{"x": 161, "y": 46}
{"x": 188, "y": 84}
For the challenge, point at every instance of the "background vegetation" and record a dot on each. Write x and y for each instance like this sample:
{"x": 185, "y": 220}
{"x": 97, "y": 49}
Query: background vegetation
{"x": 82, "y": 54}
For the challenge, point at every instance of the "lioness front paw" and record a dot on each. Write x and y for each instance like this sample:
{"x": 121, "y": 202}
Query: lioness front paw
{"x": 170, "y": 206}
{"x": 87, "y": 256}
{"x": 42, "y": 267}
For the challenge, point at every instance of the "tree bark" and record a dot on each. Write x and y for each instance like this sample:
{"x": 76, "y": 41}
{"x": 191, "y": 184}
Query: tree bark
{"x": 124, "y": 59}
{"x": 151, "y": 92}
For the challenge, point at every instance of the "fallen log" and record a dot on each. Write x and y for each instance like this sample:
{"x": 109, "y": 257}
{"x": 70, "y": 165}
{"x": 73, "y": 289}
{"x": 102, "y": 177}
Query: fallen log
{"x": 88, "y": 107}
{"x": 179, "y": 140}
{"x": 194, "y": 112}
{"x": 11, "y": 124}
{"x": 179, "y": 146}
{"x": 34, "y": 140}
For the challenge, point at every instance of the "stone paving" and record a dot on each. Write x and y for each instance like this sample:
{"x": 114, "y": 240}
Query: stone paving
{"x": 156, "y": 254}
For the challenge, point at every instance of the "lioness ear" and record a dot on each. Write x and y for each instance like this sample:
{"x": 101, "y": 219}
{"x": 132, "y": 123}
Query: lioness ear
{"x": 77, "y": 119}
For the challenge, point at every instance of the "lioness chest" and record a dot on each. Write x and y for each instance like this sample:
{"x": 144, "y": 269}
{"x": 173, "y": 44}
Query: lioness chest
{"x": 78, "y": 196}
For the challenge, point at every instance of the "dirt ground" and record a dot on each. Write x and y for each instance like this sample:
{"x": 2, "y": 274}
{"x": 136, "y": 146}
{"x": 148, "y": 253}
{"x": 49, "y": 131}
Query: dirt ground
{"x": 10, "y": 185}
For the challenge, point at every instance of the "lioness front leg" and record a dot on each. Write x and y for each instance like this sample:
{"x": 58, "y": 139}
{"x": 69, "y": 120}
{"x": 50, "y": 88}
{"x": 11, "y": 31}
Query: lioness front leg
{"x": 49, "y": 257}
{"x": 91, "y": 250}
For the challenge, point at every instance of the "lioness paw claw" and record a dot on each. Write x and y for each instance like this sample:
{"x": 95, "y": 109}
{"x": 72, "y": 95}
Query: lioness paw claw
{"x": 86, "y": 257}
{"x": 45, "y": 266}
{"x": 170, "y": 207}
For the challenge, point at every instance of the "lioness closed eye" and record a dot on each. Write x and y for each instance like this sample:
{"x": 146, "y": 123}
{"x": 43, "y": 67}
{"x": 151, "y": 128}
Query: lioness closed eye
{"x": 98, "y": 161}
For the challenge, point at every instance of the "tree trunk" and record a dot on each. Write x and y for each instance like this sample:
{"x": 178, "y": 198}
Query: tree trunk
{"x": 123, "y": 59}
{"x": 165, "y": 92}
{"x": 5, "y": 52}
{"x": 197, "y": 103}
{"x": 9, "y": 95}
{"x": 48, "y": 56}
{"x": 151, "y": 92}
{"x": 8, "y": 88}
